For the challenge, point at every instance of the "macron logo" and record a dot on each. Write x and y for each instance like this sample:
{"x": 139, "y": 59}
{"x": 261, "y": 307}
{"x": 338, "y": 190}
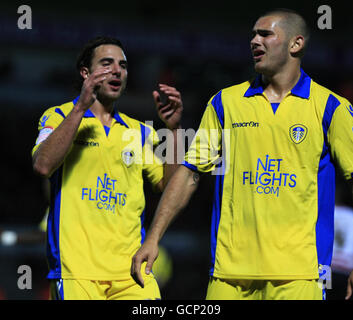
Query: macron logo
{"x": 350, "y": 109}
{"x": 251, "y": 124}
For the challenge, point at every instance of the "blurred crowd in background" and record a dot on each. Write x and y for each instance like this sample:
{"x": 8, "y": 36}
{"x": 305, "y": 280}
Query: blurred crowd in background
{"x": 199, "y": 48}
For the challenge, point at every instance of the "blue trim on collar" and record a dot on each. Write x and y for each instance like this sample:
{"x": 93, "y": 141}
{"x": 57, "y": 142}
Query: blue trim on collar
{"x": 106, "y": 129}
{"x": 116, "y": 116}
{"x": 255, "y": 87}
{"x": 75, "y": 100}
{"x": 119, "y": 119}
{"x": 301, "y": 89}
{"x": 89, "y": 114}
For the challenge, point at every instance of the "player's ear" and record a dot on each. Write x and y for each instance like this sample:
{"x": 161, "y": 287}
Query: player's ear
{"x": 296, "y": 44}
{"x": 84, "y": 72}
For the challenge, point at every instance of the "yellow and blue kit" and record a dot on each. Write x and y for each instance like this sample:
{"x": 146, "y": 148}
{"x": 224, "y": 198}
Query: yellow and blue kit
{"x": 272, "y": 215}
{"x": 97, "y": 203}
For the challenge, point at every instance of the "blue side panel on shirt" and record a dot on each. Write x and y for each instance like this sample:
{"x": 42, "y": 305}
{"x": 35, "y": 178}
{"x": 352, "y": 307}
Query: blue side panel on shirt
{"x": 326, "y": 192}
{"x": 53, "y": 228}
{"x": 326, "y": 207}
{"x": 145, "y": 131}
{"x": 218, "y": 106}
{"x": 216, "y": 217}
{"x": 143, "y": 230}
{"x": 218, "y": 193}
{"x": 331, "y": 106}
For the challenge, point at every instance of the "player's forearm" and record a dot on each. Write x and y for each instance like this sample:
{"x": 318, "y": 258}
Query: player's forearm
{"x": 175, "y": 153}
{"x": 174, "y": 199}
{"x": 52, "y": 152}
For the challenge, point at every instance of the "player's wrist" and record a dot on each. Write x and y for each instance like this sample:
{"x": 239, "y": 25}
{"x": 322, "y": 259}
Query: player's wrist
{"x": 80, "y": 108}
{"x": 152, "y": 239}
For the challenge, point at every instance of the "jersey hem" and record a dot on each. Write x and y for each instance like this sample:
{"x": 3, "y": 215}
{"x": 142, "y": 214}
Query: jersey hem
{"x": 266, "y": 276}
{"x": 95, "y": 277}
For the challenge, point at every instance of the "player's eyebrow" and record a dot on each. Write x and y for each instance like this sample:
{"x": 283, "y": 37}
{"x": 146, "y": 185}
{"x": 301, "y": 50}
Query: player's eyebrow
{"x": 261, "y": 32}
{"x": 106, "y": 59}
{"x": 111, "y": 60}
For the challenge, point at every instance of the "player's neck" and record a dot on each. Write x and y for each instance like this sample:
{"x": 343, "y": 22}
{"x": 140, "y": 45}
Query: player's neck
{"x": 279, "y": 84}
{"x": 103, "y": 112}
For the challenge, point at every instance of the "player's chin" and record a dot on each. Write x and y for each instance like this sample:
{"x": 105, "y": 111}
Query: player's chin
{"x": 113, "y": 94}
{"x": 259, "y": 68}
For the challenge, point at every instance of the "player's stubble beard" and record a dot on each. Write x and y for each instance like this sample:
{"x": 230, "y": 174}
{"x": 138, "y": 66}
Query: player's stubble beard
{"x": 106, "y": 98}
{"x": 270, "y": 64}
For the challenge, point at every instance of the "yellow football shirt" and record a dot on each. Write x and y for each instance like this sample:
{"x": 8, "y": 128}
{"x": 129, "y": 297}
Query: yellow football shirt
{"x": 272, "y": 215}
{"x": 96, "y": 215}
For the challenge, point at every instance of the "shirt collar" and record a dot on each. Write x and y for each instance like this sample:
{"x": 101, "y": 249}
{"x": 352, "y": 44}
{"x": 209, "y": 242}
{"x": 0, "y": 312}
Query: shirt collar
{"x": 118, "y": 119}
{"x": 89, "y": 114}
{"x": 301, "y": 89}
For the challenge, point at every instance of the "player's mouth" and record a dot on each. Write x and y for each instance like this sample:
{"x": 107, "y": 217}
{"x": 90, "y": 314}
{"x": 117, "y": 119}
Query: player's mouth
{"x": 115, "y": 84}
{"x": 258, "y": 54}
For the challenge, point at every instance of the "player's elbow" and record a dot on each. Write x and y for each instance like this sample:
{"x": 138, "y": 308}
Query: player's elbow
{"x": 40, "y": 168}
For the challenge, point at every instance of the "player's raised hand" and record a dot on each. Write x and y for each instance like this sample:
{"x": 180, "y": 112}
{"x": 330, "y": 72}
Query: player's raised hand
{"x": 90, "y": 85}
{"x": 169, "y": 109}
{"x": 148, "y": 252}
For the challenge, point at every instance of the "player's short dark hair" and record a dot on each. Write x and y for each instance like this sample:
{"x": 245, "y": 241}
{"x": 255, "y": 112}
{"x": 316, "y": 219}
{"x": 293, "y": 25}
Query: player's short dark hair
{"x": 85, "y": 57}
{"x": 292, "y": 22}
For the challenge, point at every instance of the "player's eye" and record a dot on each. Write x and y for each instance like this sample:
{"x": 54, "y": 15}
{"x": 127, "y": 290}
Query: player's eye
{"x": 264, "y": 33}
{"x": 123, "y": 65}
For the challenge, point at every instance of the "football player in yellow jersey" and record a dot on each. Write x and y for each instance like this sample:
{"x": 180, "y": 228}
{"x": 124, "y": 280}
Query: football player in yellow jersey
{"x": 272, "y": 143}
{"x": 96, "y": 158}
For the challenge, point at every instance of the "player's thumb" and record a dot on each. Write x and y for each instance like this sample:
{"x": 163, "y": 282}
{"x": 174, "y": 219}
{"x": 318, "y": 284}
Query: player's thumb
{"x": 156, "y": 97}
{"x": 149, "y": 265}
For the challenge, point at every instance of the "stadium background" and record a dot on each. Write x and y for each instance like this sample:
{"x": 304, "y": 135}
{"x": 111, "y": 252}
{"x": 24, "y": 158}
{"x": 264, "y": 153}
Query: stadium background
{"x": 200, "y": 47}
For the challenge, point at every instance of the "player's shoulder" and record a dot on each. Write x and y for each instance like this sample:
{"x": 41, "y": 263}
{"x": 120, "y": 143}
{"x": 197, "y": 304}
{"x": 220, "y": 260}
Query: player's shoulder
{"x": 234, "y": 91}
{"x": 321, "y": 92}
{"x": 62, "y": 109}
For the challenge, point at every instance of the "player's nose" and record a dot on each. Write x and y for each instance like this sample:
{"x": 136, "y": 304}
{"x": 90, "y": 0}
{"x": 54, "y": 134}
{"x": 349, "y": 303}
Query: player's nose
{"x": 255, "y": 41}
{"x": 116, "y": 69}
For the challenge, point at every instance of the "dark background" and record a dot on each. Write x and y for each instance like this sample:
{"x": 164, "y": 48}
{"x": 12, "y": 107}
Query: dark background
{"x": 199, "y": 47}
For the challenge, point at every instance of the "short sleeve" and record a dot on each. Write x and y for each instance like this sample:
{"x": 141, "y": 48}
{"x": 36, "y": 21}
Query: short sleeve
{"x": 48, "y": 122}
{"x": 204, "y": 153}
{"x": 340, "y": 138}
